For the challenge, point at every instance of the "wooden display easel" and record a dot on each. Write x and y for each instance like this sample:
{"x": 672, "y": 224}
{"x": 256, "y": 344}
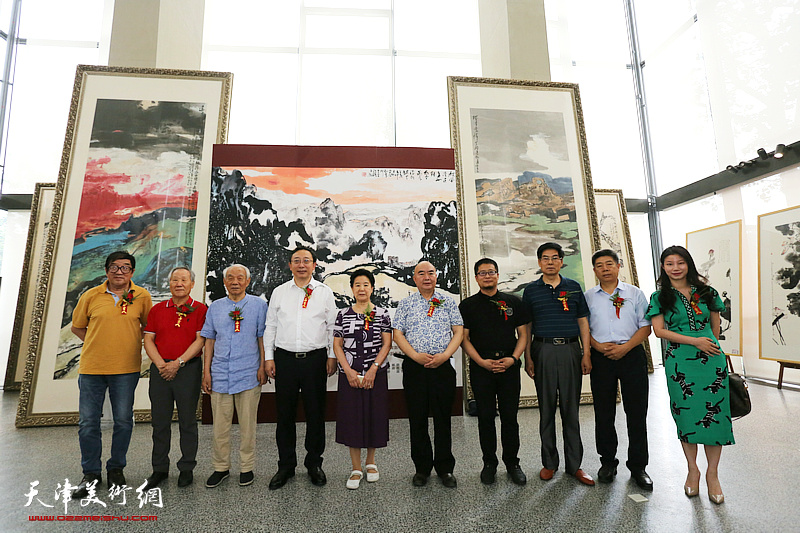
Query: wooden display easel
{"x": 785, "y": 365}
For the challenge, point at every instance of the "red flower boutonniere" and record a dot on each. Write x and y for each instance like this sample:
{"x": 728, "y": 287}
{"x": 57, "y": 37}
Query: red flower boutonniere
{"x": 503, "y": 307}
{"x": 237, "y": 316}
{"x": 126, "y": 301}
{"x": 369, "y": 318}
{"x": 618, "y": 301}
{"x": 183, "y": 311}
{"x": 563, "y": 296}
{"x": 435, "y": 302}
{"x": 308, "y": 290}
{"x": 693, "y": 301}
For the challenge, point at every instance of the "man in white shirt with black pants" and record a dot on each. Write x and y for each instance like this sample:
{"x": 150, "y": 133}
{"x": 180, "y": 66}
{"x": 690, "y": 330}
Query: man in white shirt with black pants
{"x": 299, "y": 356}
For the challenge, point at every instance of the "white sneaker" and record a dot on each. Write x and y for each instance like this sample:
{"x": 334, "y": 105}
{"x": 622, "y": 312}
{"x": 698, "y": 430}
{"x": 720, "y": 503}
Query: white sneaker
{"x": 354, "y": 483}
{"x": 372, "y": 476}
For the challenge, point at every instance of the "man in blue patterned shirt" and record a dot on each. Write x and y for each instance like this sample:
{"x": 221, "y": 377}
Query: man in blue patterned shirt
{"x": 428, "y": 329}
{"x": 233, "y": 371}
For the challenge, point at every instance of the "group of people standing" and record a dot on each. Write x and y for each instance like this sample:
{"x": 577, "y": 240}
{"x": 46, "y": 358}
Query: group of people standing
{"x": 300, "y": 338}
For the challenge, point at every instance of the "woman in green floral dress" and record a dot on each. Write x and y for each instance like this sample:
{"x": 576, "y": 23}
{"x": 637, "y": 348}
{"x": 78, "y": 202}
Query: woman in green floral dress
{"x": 685, "y": 313}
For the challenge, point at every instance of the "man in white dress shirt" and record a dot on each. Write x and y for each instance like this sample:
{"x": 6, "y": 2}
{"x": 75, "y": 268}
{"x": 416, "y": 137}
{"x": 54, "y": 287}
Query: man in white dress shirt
{"x": 299, "y": 356}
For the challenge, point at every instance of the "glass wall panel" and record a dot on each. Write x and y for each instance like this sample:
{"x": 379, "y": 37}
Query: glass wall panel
{"x": 38, "y": 114}
{"x": 421, "y": 98}
{"x": 57, "y": 20}
{"x": 350, "y": 4}
{"x": 588, "y": 45}
{"x": 273, "y": 23}
{"x": 264, "y": 103}
{"x": 660, "y": 21}
{"x": 440, "y": 26}
{"x": 752, "y": 48}
{"x": 336, "y": 31}
{"x": 684, "y": 146}
{"x": 345, "y": 100}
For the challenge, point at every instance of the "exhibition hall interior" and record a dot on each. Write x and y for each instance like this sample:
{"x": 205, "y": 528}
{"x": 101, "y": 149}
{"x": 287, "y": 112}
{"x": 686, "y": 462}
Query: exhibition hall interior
{"x": 391, "y": 137}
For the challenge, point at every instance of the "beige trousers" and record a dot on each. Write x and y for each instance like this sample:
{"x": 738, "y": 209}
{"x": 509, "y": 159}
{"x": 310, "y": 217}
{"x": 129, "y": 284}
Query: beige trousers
{"x": 222, "y": 410}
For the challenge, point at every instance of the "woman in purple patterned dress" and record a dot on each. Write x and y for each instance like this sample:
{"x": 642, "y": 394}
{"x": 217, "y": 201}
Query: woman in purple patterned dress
{"x": 362, "y": 338}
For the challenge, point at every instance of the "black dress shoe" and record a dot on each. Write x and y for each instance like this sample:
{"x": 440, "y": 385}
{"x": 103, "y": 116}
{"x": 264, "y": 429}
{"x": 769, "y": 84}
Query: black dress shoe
{"x": 185, "y": 478}
{"x": 606, "y": 473}
{"x": 317, "y": 476}
{"x": 488, "y": 474}
{"x": 280, "y": 478}
{"x": 517, "y": 476}
{"x": 419, "y": 480}
{"x": 642, "y": 479}
{"x": 155, "y": 479}
{"x": 115, "y": 477}
{"x": 86, "y": 482}
{"x": 449, "y": 480}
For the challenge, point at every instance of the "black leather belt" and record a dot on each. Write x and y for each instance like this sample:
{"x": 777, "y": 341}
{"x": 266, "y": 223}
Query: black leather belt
{"x": 301, "y": 355}
{"x": 556, "y": 340}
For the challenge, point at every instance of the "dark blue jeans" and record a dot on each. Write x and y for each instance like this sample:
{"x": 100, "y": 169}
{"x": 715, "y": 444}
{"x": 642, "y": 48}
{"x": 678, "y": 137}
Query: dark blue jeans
{"x": 121, "y": 388}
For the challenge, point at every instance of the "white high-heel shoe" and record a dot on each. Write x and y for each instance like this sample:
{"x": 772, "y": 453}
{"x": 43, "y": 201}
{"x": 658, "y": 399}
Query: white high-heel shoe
{"x": 716, "y": 498}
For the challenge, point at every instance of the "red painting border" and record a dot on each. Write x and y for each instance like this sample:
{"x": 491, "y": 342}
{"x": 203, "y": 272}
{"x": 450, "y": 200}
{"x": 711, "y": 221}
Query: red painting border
{"x": 253, "y": 155}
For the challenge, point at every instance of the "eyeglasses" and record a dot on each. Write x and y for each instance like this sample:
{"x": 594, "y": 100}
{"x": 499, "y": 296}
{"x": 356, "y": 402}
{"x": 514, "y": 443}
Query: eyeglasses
{"x": 485, "y": 273}
{"x": 124, "y": 269}
{"x": 299, "y": 261}
{"x": 548, "y": 259}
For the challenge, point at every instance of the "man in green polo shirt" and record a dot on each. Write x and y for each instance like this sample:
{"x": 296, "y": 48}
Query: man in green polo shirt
{"x": 109, "y": 320}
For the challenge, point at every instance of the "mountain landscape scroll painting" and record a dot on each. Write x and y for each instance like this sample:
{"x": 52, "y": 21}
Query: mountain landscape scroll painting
{"x": 135, "y": 176}
{"x": 523, "y": 179}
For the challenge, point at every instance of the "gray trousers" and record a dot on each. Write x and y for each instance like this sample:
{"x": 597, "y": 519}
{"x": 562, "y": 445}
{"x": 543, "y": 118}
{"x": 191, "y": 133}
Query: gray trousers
{"x": 557, "y": 375}
{"x": 182, "y": 392}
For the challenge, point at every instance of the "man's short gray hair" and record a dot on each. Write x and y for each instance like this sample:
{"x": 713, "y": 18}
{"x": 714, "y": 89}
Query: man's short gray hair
{"x": 182, "y": 267}
{"x": 225, "y": 272}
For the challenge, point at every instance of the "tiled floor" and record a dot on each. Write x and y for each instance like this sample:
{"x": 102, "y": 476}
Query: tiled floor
{"x": 759, "y": 477}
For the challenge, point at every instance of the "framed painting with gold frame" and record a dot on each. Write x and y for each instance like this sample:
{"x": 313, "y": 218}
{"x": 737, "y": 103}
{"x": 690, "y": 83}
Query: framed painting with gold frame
{"x": 135, "y": 175}
{"x": 41, "y": 210}
{"x": 523, "y": 179}
{"x": 717, "y": 254}
{"x": 615, "y": 234}
{"x": 778, "y": 287}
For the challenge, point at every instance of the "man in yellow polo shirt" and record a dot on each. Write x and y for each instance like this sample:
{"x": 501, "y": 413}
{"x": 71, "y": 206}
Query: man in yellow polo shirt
{"x": 109, "y": 320}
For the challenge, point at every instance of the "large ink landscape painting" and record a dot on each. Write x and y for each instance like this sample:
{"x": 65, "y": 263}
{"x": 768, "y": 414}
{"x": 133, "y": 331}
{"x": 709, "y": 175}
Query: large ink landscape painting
{"x": 524, "y": 191}
{"x": 386, "y": 220}
{"x": 140, "y": 195}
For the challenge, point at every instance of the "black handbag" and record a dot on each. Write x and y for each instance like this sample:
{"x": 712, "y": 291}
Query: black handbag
{"x": 739, "y": 396}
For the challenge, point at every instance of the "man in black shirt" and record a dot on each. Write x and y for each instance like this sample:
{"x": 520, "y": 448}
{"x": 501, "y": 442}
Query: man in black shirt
{"x": 495, "y": 334}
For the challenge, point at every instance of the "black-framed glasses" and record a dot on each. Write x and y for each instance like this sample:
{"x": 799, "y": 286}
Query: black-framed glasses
{"x": 124, "y": 269}
{"x": 485, "y": 273}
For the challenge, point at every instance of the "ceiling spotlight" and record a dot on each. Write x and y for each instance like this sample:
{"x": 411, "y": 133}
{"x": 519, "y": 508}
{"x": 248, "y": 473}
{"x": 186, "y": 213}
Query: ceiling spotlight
{"x": 779, "y": 151}
{"x": 732, "y": 168}
{"x": 741, "y": 164}
{"x": 762, "y": 153}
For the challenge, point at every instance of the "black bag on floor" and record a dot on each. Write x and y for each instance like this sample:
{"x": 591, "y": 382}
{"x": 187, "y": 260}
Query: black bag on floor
{"x": 740, "y": 398}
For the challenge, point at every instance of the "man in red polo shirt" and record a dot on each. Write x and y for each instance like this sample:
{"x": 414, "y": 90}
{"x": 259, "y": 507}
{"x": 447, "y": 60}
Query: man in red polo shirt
{"x": 173, "y": 343}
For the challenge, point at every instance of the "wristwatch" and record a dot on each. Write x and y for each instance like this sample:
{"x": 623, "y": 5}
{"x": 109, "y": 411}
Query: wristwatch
{"x": 181, "y": 362}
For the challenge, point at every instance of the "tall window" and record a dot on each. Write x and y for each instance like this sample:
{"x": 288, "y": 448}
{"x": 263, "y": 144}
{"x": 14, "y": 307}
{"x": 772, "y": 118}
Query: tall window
{"x": 588, "y": 45}
{"x": 341, "y": 72}
{"x": 55, "y": 37}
